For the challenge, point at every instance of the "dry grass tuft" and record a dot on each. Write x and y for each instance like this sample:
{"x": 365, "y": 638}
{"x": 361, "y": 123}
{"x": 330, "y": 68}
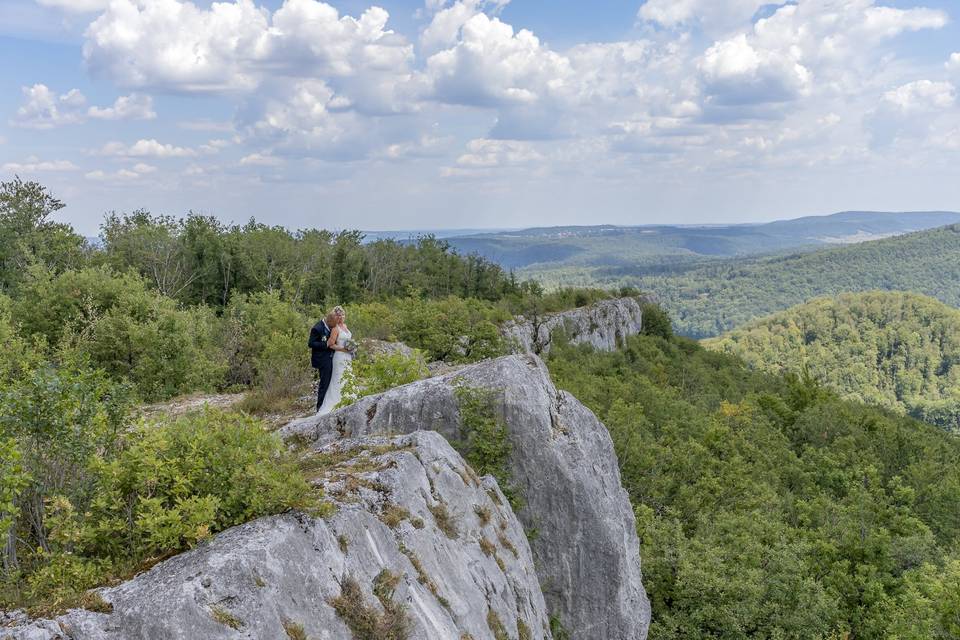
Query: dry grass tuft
{"x": 365, "y": 621}
{"x": 483, "y": 513}
{"x": 445, "y": 522}
{"x": 225, "y": 618}
{"x": 294, "y": 630}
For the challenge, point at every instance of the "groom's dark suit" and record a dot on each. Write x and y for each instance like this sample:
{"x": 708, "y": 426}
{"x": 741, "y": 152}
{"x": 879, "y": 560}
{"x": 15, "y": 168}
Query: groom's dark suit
{"x": 321, "y": 357}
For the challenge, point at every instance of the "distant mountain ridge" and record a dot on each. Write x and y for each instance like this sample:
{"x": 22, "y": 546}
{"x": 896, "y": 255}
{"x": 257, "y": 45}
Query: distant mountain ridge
{"x": 610, "y": 245}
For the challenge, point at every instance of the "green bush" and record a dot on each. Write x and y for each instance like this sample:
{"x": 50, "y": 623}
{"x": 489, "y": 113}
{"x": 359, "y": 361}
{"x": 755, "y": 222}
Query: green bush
{"x": 486, "y": 442}
{"x": 257, "y": 325}
{"x": 452, "y": 329}
{"x": 127, "y": 330}
{"x": 125, "y": 500}
{"x": 171, "y": 485}
{"x": 370, "y": 375}
{"x": 656, "y": 321}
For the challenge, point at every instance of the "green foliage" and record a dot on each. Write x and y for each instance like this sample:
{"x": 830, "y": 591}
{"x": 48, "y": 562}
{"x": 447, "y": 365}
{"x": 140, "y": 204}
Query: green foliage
{"x": 125, "y": 498}
{"x": 656, "y": 321}
{"x": 766, "y": 506}
{"x": 13, "y": 479}
{"x": 180, "y": 481}
{"x": 198, "y": 260}
{"x": 28, "y": 236}
{"x": 895, "y": 350}
{"x": 451, "y": 329}
{"x": 373, "y": 374}
{"x": 486, "y": 442}
{"x": 127, "y": 330}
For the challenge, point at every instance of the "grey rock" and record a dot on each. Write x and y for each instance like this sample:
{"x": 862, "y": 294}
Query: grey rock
{"x": 563, "y": 465}
{"x": 604, "y": 325}
{"x": 287, "y": 568}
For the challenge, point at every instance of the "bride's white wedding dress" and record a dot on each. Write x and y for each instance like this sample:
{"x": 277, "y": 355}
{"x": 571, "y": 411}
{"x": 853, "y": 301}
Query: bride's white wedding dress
{"x": 341, "y": 362}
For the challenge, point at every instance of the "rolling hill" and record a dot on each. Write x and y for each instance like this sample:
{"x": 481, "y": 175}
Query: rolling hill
{"x": 557, "y": 248}
{"x": 707, "y": 298}
{"x": 896, "y": 350}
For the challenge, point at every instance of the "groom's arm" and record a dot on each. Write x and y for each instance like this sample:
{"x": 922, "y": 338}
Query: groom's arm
{"x": 317, "y": 339}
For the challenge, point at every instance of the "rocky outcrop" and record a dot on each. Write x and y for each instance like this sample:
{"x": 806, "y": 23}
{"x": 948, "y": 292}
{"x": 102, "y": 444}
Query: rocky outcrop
{"x": 562, "y": 464}
{"x": 604, "y": 325}
{"x": 418, "y": 541}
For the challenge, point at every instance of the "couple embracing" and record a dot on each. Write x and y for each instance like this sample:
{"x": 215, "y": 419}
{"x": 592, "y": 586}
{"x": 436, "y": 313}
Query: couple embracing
{"x": 332, "y": 349}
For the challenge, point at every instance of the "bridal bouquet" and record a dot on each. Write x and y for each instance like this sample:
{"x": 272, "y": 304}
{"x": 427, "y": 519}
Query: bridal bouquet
{"x": 351, "y": 346}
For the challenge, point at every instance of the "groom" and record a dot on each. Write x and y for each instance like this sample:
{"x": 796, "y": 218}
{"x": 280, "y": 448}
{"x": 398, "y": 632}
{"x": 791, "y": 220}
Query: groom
{"x": 321, "y": 357}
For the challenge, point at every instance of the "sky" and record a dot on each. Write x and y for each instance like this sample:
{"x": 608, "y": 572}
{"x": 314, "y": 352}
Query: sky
{"x": 436, "y": 114}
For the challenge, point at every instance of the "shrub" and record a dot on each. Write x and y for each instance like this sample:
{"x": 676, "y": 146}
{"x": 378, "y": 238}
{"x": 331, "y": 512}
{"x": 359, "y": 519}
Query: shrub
{"x": 486, "y": 444}
{"x": 370, "y": 375}
{"x": 257, "y": 324}
{"x": 124, "y": 328}
{"x": 656, "y": 321}
{"x": 156, "y": 490}
{"x": 452, "y": 329}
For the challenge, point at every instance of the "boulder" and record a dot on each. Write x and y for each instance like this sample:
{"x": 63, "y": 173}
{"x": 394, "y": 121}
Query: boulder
{"x": 564, "y": 468}
{"x": 604, "y": 325}
{"x": 418, "y": 541}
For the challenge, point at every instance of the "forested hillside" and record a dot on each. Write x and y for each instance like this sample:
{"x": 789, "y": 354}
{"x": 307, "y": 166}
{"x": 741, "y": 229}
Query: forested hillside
{"x": 767, "y": 507}
{"x": 707, "y": 298}
{"x": 891, "y": 349}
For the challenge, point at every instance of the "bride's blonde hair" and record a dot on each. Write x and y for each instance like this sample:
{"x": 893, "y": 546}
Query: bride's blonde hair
{"x": 338, "y": 311}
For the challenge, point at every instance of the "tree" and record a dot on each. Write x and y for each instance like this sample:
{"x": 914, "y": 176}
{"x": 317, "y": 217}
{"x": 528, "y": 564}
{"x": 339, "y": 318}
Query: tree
{"x": 27, "y": 234}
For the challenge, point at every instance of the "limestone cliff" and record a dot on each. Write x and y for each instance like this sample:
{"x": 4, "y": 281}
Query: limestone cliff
{"x": 562, "y": 463}
{"x": 418, "y": 543}
{"x": 604, "y": 325}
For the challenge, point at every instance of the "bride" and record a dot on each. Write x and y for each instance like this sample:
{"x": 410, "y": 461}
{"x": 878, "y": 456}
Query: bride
{"x": 339, "y": 341}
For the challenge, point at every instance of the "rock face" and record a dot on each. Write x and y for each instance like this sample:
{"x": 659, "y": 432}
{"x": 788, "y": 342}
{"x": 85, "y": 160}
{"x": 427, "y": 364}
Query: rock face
{"x": 563, "y": 466}
{"x": 604, "y": 325}
{"x": 418, "y": 540}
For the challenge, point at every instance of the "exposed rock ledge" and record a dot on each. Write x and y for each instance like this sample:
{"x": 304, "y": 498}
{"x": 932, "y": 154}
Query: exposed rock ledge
{"x": 586, "y": 550}
{"x": 276, "y": 576}
{"x": 604, "y": 325}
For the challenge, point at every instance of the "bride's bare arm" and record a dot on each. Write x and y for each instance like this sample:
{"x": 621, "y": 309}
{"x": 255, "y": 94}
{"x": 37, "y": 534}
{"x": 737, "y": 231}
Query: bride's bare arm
{"x": 332, "y": 340}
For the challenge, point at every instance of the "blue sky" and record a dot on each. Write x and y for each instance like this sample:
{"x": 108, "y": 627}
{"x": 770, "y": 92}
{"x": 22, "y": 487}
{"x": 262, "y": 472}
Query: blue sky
{"x": 482, "y": 113}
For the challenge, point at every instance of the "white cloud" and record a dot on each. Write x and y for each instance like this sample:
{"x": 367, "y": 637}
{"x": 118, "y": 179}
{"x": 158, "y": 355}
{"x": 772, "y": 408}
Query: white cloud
{"x": 489, "y": 154}
{"x": 76, "y": 6}
{"x": 132, "y": 107}
{"x": 44, "y": 109}
{"x": 492, "y": 65}
{"x": 805, "y": 47}
{"x": 176, "y": 45}
{"x": 921, "y": 96}
{"x": 736, "y": 73}
{"x": 135, "y": 172}
{"x": 34, "y": 165}
{"x": 261, "y": 160}
{"x": 919, "y": 112}
{"x": 145, "y": 149}
{"x": 712, "y": 15}
{"x": 953, "y": 64}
